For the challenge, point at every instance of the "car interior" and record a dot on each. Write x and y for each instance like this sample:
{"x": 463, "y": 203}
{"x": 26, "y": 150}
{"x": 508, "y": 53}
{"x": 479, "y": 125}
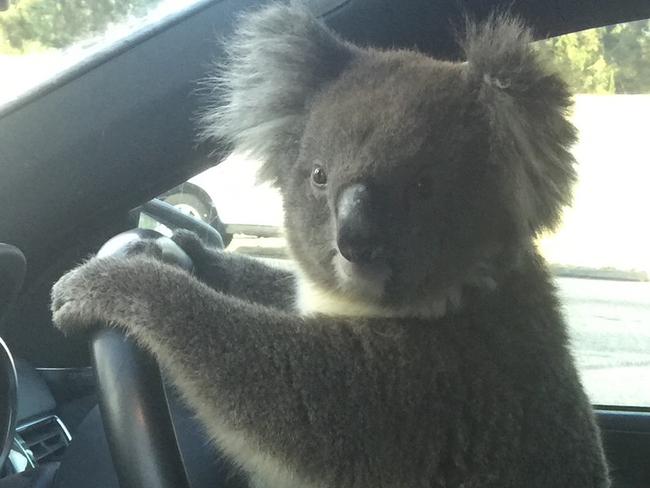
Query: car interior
{"x": 84, "y": 154}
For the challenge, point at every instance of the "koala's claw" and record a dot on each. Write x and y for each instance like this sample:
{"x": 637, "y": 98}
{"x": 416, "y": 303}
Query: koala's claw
{"x": 191, "y": 243}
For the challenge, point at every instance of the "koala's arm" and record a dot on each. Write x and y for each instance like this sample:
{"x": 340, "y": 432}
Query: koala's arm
{"x": 347, "y": 403}
{"x": 240, "y": 276}
{"x": 261, "y": 379}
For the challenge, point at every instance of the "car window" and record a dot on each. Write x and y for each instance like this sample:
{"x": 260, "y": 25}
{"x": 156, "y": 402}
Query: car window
{"x": 42, "y": 38}
{"x": 600, "y": 255}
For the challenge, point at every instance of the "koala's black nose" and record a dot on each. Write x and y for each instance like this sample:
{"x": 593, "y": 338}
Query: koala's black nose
{"x": 356, "y": 226}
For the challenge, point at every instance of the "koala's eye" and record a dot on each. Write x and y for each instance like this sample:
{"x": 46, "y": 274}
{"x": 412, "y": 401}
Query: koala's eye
{"x": 318, "y": 176}
{"x": 424, "y": 186}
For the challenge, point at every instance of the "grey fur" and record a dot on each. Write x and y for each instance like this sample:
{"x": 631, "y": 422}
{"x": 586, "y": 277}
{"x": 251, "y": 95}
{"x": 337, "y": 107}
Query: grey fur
{"x": 443, "y": 363}
{"x": 527, "y": 108}
{"x": 281, "y": 58}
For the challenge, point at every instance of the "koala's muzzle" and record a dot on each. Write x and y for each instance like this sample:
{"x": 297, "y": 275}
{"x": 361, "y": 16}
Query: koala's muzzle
{"x": 356, "y": 225}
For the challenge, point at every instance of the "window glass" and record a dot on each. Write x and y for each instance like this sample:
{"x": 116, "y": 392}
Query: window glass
{"x": 600, "y": 255}
{"x": 41, "y": 38}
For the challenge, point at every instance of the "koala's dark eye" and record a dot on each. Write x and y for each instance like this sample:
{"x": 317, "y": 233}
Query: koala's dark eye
{"x": 318, "y": 176}
{"x": 424, "y": 186}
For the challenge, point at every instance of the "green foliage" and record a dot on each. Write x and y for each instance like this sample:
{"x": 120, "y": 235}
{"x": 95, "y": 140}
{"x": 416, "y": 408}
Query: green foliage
{"x": 627, "y": 46}
{"x": 580, "y": 59}
{"x": 29, "y": 24}
{"x": 613, "y": 59}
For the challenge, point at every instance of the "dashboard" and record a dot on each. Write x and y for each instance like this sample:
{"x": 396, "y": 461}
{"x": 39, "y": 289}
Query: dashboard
{"x": 41, "y": 436}
{"x": 42, "y": 424}
{"x": 59, "y": 440}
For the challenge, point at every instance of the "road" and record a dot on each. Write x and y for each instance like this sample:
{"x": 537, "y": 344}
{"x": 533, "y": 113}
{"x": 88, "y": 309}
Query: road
{"x": 609, "y": 323}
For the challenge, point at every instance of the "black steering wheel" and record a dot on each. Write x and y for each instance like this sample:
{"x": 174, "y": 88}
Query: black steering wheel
{"x": 12, "y": 273}
{"x": 132, "y": 399}
{"x": 8, "y": 405}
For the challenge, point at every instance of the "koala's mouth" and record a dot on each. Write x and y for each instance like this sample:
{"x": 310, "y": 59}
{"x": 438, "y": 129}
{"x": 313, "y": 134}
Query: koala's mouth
{"x": 366, "y": 280}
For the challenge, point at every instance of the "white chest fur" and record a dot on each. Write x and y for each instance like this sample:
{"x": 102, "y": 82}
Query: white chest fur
{"x": 311, "y": 299}
{"x": 272, "y": 480}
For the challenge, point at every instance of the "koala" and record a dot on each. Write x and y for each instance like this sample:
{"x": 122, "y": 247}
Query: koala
{"x": 420, "y": 342}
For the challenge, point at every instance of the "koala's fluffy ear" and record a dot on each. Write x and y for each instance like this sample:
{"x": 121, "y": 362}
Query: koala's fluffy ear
{"x": 527, "y": 108}
{"x": 279, "y": 58}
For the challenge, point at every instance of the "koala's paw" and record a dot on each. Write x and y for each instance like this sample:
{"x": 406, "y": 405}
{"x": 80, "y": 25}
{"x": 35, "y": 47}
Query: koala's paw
{"x": 193, "y": 246}
{"x": 210, "y": 264}
{"x": 70, "y": 300}
{"x": 94, "y": 293}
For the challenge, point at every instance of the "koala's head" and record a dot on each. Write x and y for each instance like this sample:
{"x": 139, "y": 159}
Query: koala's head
{"x": 403, "y": 177}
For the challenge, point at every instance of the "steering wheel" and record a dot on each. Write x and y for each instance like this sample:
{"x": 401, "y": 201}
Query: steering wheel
{"x": 8, "y": 404}
{"x": 12, "y": 272}
{"x": 132, "y": 399}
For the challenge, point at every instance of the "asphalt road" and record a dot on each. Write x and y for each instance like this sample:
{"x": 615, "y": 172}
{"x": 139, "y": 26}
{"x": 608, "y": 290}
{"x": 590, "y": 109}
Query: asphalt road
{"x": 609, "y": 323}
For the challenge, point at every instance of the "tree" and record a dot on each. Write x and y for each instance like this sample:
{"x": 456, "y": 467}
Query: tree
{"x": 612, "y": 59}
{"x": 580, "y": 59}
{"x": 627, "y": 46}
{"x": 29, "y": 24}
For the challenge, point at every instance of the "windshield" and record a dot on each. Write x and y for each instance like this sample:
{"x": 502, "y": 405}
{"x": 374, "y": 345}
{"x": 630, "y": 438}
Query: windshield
{"x": 40, "y": 39}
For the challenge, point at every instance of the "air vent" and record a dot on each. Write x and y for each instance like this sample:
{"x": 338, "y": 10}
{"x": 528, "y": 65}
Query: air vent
{"x": 44, "y": 440}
